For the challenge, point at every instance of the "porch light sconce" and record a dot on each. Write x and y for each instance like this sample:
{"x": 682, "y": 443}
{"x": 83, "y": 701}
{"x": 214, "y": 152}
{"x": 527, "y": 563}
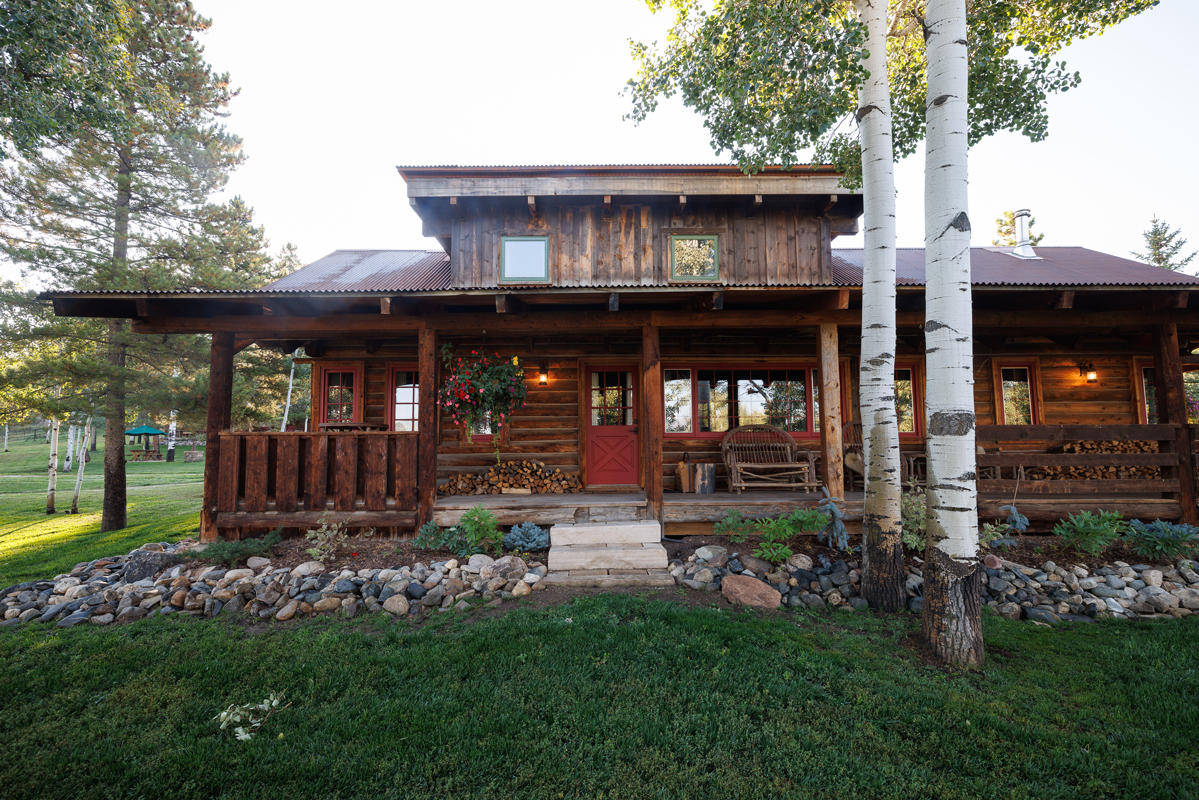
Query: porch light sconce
{"x": 543, "y": 374}
{"x": 1087, "y": 368}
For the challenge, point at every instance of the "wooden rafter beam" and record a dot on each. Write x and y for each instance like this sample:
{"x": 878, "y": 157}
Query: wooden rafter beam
{"x": 607, "y": 213}
{"x": 614, "y": 301}
{"x": 532, "y": 199}
{"x": 509, "y": 304}
{"x": 828, "y": 206}
{"x": 1065, "y": 299}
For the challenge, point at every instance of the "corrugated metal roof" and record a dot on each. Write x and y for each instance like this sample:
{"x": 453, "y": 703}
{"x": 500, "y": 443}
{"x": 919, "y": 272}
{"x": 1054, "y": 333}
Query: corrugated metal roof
{"x": 994, "y": 266}
{"x": 370, "y": 271}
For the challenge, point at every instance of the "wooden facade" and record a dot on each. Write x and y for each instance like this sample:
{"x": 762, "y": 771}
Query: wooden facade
{"x": 607, "y": 309}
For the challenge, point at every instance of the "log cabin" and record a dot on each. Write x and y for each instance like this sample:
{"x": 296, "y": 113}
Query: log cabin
{"x": 654, "y": 310}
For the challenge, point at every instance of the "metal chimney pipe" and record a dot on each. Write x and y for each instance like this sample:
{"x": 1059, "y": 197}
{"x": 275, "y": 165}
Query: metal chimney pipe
{"x": 1023, "y": 248}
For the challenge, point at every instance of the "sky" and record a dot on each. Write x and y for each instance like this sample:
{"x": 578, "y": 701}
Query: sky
{"x": 332, "y": 101}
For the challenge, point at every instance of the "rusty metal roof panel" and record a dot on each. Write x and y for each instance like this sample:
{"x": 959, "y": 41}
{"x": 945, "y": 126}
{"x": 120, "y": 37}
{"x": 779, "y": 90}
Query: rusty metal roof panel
{"x": 995, "y": 266}
{"x": 370, "y": 271}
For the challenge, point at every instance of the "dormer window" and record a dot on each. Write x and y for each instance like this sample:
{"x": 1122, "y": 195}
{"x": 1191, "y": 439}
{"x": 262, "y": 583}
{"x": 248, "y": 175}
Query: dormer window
{"x": 694, "y": 258}
{"x": 525, "y": 259}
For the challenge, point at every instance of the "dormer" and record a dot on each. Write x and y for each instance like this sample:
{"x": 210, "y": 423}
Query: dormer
{"x": 622, "y": 226}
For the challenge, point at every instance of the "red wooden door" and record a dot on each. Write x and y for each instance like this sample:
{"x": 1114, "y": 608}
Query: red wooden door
{"x": 612, "y": 428}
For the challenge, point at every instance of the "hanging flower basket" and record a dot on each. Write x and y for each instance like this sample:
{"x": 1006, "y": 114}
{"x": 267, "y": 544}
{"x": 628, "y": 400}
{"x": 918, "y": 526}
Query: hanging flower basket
{"x": 481, "y": 388}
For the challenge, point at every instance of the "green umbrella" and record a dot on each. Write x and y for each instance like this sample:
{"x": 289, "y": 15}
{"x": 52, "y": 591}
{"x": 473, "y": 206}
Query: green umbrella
{"x": 145, "y": 430}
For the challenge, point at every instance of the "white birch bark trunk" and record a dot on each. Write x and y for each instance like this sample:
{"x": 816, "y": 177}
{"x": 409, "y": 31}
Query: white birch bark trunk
{"x": 55, "y": 425}
{"x": 82, "y": 459}
{"x": 6, "y": 437}
{"x": 883, "y": 576}
{"x": 172, "y": 428}
{"x": 952, "y": 604}
{"x": 66, "y": 462}
{"x": 290, "y": 380}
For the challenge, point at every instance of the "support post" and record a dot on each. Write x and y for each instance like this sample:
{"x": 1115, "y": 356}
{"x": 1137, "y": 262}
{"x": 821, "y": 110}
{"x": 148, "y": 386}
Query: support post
{"x": 830, "y": 413}
{"x": 1172, "y": 409}
{"x": 426, "y": 480}
{"x": 220, "y": 416}
{"x": 653, "y": 419}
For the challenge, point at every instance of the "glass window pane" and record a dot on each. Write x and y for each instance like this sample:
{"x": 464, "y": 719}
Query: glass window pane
{"x": 525, "y": 259}
{"x": 1150, "y": 395}
{"x": 786, "y": 401}
{"x": 693, "y": 257}
{"x": 712, "y": 390}
{"x": 678, "y": 400}
{"x": 905, "y": 401}
{"x": 751, "y": 397}
{"x": 1017, "y": 399}
{"x": 816, "y": 402}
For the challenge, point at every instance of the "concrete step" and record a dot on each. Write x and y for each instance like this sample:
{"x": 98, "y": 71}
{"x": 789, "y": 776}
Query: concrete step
{"x": 646, "y": 555}
{"x": 642, "y": 578}
{"x": 606, "y": 533}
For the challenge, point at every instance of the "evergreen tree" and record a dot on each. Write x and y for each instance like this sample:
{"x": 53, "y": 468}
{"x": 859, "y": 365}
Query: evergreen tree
{"x": 62, "y": 63}
{"x": 1162, "y": 247}
{"x": 1005, "y": 229}
{"x": 125, "y": 210}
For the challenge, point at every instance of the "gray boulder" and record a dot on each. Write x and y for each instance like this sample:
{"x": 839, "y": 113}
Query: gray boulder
{"x": 147, "y": 564}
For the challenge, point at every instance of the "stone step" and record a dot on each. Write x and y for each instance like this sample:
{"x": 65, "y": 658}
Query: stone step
{"x": 643, "y": 579}
{"x": 606, "y": 533}
{"x": 647, "y": 555}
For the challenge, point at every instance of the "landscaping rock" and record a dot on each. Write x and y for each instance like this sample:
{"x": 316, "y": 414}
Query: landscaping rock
{"x": 396, "y": 605}
{"x": 327, "y": 604}
{"x": 756, "y": 565}
{"x": 916, "y": 605}
{"x": 710, "y": 551}
{"x": 288, "y": 611}
{"x": 1010, "y": 611}
{"x": 304, "y": 570}
{"x": 750, "y": 592}
{"x": 800, "y": 561}
{"x": 1041, "y": 615}
{"x": 521, "y": 589}
{"x": 812, "y": 600}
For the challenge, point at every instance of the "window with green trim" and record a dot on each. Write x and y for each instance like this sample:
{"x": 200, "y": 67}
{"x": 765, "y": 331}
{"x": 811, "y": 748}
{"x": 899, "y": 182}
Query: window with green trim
{"x": 525, "y": 259}
{"x": 694, "y": 258}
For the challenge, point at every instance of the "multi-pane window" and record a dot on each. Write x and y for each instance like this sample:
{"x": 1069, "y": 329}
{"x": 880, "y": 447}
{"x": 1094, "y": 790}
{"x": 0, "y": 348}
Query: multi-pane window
{"x": 1150, "y": 389}
{"x": 339, "y": 395}
{"x": 694, "y": 258}
{"x": 612, "y": 398}
{"x": 705, "y": 401}
{"x": 905, "y": 399}
{"x": 1017, "y": 393}
{"x": 405, "y": 414}
{"x": 525, "y": 259}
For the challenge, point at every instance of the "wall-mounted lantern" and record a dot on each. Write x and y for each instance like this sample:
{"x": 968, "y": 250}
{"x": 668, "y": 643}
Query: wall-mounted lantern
{"x": 543, "y": 374}
{"x": 1087, "y": 368}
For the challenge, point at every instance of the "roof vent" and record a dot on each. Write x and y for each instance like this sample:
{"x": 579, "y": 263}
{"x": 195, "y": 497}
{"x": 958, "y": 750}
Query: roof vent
{"x": 1023, "y": 247}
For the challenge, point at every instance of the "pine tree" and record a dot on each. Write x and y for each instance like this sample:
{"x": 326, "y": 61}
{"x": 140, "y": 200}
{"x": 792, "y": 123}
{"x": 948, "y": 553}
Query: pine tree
{"x": 1005, "y": 229}
{"x": 1162, "y": 247}
{"x": 109, "y": 210}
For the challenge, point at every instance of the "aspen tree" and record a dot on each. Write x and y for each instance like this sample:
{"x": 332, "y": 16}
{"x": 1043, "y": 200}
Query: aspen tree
{"x": 82, "y": 464}
{"x": 952, "y": 579}
{"x": 53, "y": 469}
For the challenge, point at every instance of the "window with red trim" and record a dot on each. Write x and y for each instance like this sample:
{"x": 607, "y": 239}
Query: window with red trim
{"x": 710, "y": 401}
{"x": 405, "y": 399}
{"x": 908, "y": 399}
{"x": 1018, "y": 393}
{"x": 339, "y": 394}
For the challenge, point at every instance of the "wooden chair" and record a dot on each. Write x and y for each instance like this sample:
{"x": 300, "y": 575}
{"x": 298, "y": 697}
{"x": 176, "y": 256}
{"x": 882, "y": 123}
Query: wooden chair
{"x": 766, "y": 457}
{"x": 855, "y": 455}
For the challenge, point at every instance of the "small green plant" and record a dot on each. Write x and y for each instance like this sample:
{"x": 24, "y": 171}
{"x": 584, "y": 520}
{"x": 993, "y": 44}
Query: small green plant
{"x": 834, "y": 528}
{"x": 233, "y": 553}
{"x": 329, "y": 539}
{"x": 735, "y": 526}
{"x": 482, "y": 532}
{"x": 527, "y": 537}
{"x": 1090, "y": 533}
{"x": 806, "y": 520}
{"x": 432, "y": 537}
{"x": 1003, "y": 534}
{"x": 774, "y": 534}
{"x": 1161, "y": 540}
{"x": 249, "y": 717}
{"x": 913, "y": 516}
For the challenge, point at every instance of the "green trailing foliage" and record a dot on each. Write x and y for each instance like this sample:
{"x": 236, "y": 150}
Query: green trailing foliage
{"x": 913, "y": 514}
{"x": 1090, "y": 533}
{"x": 231, "y": 554}
{"x": 1161, "y": 540}
{"x": 527, "y": 537}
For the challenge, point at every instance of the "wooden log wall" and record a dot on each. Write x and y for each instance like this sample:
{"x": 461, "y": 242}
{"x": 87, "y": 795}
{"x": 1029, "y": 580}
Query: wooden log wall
{"x": 1066, "y": 397}
{"x": 776, "y": 245}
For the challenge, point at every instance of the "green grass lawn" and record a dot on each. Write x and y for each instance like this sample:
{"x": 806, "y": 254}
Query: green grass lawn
{"x": 164, "y": 505}
{"x": 608, "y": 696}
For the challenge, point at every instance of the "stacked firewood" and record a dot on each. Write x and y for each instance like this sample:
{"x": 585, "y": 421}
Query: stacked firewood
{"x": 1099, "y": 472}
{"x": 533, "y": 476}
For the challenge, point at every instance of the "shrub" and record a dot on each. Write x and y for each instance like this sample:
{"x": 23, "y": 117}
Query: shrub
{"x": 735, "y": 526}
{"x": 233, "y": 553}
{"x": 1003, "y": 534}
{"x": 807, "y": 520}
{"x": 527, "y": 537}
{"x": 330, "y": 538}
{"x": 773, "y": 545}
{"x": 913, "y": 516}
{"x": 1161, "y": 540}
{"x": 834, "y": 527}
{"x": 482, "y": 532}
{"x": 1090, "y": 533}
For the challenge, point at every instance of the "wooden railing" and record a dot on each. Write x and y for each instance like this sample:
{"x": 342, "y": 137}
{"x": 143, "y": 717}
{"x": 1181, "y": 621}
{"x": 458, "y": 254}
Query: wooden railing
{"x": 1171, "y": 495}
{"x": 361, "y": 479}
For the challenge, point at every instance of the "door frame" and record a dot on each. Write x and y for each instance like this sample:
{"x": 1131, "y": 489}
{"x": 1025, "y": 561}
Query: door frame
{"x": 584, "y": 370}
